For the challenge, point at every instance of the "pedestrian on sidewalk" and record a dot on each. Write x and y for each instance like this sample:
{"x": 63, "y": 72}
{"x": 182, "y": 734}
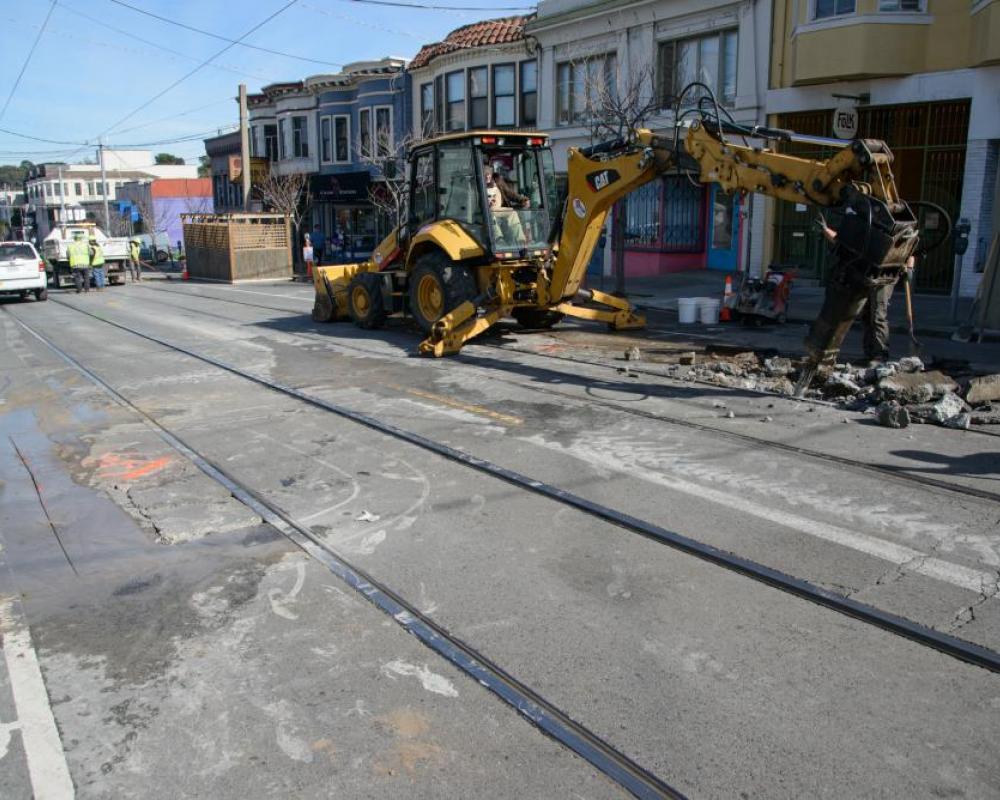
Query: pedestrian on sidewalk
{"x": 875, "y": 314}
{"x": 97, "y": 263}
{"x": 134, "y": 254}
{"x": 318, "y": 243}
{"x": 307, "y": 256}
{"x": 78, "y": 254}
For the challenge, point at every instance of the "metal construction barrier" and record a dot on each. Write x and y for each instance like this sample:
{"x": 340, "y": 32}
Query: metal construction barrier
{"x": 238, "y": 247}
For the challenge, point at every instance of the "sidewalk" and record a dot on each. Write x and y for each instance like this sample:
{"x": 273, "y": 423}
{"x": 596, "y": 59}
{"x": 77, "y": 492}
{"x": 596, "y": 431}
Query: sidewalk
{"x": 931, "y": 313}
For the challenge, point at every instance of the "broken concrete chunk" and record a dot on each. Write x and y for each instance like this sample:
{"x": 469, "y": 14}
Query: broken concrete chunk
{"x": 987, "y": 415}
{"x": 948, "y": 407}
{"x": 632, "y": 354}
{"x": 730, "y": 415}
{"x": 778, "y": 367}
{"x": 910, "y": 364}
{"x": 840, "y": 384}
{"x": 687, "y": 358}
{"x": 892, "y": 415}
{"x": 367, "y": 516}
{"x": 916, "y": 387}
{"x": 983, "y": 390}
{"x": 959, "y": 421}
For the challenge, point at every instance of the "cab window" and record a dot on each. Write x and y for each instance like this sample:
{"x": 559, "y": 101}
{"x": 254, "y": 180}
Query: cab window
{"x": 424, "y": 196}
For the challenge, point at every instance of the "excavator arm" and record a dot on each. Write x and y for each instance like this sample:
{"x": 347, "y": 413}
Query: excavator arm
{"x": 877, "y": 235}
{"x": 859, "y": 174}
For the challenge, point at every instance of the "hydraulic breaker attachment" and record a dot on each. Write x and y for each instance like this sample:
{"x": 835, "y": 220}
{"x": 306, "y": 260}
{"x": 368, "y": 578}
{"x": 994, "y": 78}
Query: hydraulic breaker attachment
{"x": 624, "y": 317}
{"x": 459, "y": 326}
{"x": 330, "y": 284}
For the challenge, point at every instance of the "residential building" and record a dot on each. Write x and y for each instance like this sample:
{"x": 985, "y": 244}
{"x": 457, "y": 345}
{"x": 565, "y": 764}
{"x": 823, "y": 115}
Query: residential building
{"x": 483, "y": 75}
{"x": 283, "y": 127}
{"x": 12, "y": 211}
{"x": 334, "y": 128}
{"x": 76, "y": 192}
{"x": 362, "y": 124}
{"x": 157, "y": 205}
{"x": 921, "y": 75}
{"x": 223, "y": 152}
{"x": 589, "y": 50}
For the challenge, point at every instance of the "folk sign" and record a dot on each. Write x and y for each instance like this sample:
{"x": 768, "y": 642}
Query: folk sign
{"x": 845, "y": 122}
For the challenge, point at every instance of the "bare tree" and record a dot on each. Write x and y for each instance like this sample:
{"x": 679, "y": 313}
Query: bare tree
{"x": 198, "y": 204}
{"x": 386, "y": 160}
{"x": 121, "y": 224}
{"x": 154, "y": 221}
{"x": 617, "y": 102}
{"x": 287, "y": 194}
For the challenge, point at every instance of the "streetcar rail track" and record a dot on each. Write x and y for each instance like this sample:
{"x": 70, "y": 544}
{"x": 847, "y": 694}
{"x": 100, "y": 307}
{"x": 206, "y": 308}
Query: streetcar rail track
{"x": 842, "y": 604}
{"x": 546, "y": 716}
{"x": 900, "y": 475}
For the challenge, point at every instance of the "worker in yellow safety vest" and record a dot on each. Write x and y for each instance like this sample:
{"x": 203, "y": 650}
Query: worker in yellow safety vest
{"x": 97, "y": 263}
{"x": 78, "y": 254}
{"x": 133, "y": 259}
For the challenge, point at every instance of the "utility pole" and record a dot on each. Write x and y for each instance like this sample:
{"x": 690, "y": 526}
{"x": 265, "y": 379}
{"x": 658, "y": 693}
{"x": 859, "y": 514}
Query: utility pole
{"x": 104, "y": 188}
{"x": 244, "y": 148}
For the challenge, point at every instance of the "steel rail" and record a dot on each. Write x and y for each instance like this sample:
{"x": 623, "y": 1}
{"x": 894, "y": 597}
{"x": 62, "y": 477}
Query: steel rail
{"x": 544, "y": 715}
{"x": 893, "y": 623}
{"x": 899, "y": 475}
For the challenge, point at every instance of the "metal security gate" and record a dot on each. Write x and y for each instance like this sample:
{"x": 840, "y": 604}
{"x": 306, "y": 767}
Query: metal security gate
{"x": 928, "y": 141}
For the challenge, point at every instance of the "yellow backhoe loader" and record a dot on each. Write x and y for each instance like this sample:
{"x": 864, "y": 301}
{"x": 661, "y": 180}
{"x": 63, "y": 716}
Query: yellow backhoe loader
{"x": 486, "y": 237}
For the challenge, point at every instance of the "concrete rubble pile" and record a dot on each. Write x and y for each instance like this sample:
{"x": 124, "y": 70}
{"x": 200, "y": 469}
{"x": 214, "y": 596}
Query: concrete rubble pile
{"x": 896, "y": 393}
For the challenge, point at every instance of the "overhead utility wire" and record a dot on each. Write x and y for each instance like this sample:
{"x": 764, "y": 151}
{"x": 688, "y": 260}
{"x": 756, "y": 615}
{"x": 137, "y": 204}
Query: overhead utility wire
{"x": 187, "y": 138}
{"x": 223, "y": 38}
{"x": 157, "y": 45}
{"x": 31, "y": 52}
{"x": 204, "y": 63}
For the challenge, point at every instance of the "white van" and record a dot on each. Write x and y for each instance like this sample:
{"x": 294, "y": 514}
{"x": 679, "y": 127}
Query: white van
{"x": 22, "y": 270}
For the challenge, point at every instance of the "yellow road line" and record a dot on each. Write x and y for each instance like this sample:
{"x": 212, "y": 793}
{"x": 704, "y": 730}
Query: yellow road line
{"x": 472, "y": 409}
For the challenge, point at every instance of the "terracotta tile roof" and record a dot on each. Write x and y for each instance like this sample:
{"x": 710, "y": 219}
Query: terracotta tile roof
{"x": 478, "y": 34}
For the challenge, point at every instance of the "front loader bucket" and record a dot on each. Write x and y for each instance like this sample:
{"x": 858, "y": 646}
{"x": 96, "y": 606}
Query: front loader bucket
{"x": 330, "y": 284}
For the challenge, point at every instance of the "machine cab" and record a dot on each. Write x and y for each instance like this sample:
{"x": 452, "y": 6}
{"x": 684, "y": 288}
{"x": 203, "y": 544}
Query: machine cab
{"x": 499, "y": 186}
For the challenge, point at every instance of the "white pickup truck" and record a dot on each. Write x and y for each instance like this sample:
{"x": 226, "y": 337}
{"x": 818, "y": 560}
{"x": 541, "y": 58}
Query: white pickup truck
{"x": 54, "y": 252}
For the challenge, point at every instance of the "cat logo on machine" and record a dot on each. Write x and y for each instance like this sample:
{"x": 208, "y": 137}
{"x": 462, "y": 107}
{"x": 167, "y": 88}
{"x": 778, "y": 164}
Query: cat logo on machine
{"x": 603, "y": 179}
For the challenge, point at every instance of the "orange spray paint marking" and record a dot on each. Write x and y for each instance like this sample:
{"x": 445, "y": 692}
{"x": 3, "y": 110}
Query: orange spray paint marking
{"x": 112, "y": 465}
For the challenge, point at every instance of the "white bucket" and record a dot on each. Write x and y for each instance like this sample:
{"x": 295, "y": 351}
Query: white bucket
{"x": 687, "y": 309}
{"x": 708, "y": 310}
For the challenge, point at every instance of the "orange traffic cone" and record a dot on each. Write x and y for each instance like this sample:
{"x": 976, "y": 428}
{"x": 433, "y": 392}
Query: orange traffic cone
{"x": 184, "y": 273}
{"x": 724, "y": 313}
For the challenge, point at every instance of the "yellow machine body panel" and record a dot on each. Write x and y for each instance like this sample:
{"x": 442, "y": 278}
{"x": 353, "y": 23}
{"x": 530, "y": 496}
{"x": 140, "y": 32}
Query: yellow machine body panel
{"x": 446, "y": 235}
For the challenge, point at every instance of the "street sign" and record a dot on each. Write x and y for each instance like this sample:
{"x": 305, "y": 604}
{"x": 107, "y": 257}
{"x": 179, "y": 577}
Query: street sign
{"x": 845, "y": 122}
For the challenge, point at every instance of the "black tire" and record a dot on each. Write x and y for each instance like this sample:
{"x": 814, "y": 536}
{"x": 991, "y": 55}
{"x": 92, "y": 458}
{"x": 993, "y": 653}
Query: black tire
{"x": 364, "y": 301}
{"x": 434, "y": 276}
{"x": 41, "y": 295}
{"x": 536, "y": 318}
{"x": 161, "y": 256}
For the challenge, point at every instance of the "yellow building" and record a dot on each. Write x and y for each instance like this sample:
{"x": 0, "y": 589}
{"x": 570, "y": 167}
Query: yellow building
{"x": 921, "y": 74}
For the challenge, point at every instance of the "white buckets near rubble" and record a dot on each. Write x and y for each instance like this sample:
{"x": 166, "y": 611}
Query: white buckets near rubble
{"x": 695, "y": 309}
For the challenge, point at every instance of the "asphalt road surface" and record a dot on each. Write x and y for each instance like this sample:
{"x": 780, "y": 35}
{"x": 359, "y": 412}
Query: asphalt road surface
{"x": 178, "y": 619}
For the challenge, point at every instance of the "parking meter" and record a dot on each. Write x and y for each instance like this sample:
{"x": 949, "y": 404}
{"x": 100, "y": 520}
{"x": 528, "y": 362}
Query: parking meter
{"x": 960, "y": 237}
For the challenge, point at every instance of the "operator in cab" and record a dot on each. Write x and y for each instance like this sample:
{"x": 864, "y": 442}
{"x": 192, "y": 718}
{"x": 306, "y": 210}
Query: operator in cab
{"x": 503, "y": 201}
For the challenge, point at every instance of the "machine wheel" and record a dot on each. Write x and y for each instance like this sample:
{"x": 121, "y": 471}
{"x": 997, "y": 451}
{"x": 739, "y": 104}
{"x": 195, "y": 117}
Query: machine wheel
{"x": 41, "y": 294}
{"x": 438, "y": 286}
{"x": 536, "y": 317}
{"x": 364, "y": 301}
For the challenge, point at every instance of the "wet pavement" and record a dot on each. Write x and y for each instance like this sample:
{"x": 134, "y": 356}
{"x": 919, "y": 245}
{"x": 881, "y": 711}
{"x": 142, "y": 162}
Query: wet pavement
{"x": 187, "y": 649}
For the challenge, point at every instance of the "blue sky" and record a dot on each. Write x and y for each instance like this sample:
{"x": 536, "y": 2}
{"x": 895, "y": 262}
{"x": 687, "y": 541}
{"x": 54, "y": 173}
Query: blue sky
{"x": 98, "y": 61}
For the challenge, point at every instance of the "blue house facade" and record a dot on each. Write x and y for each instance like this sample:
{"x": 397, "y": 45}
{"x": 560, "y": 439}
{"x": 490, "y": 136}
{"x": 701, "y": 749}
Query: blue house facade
{"x": 362, "y": 119}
